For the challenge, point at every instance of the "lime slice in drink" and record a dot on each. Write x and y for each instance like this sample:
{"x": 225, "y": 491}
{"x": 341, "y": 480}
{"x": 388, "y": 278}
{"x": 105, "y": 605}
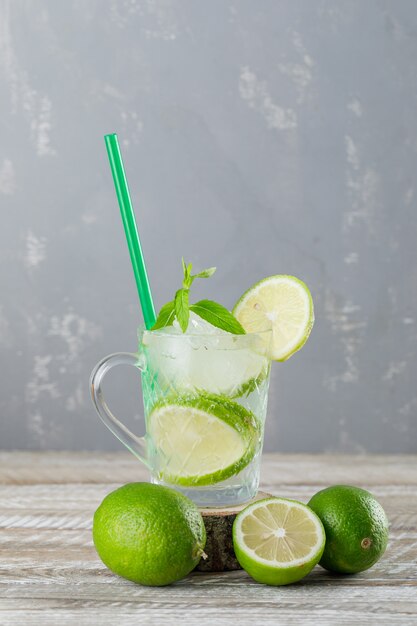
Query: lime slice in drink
{"x": 202, "y": 440}
{"x": 283, "y": 301}
{"x": 278, "y": 541}
{"x": 251, "y": 385}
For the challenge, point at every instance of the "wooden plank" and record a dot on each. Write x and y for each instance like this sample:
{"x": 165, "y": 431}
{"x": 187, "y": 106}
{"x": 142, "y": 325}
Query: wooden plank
{"x": 302, "y": 469}
{"x": 50, "y": 573}
{"x": 75, "y": 613}
{"x": 72, "y": 506}
{"x": 246, "y": 602}
{"x": 83, "y": 568}
{"x": 66, "y": 467}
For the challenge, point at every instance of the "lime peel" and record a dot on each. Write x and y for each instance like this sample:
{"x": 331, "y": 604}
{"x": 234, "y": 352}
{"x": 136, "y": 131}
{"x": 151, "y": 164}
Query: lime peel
{"x": 149, "y": 534}
{"x": 356, "y": 528}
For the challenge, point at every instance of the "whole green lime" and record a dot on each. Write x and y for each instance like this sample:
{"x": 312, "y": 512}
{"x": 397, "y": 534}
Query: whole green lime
{"x": 356, "y": 528}
{"x": 150, "y": 534}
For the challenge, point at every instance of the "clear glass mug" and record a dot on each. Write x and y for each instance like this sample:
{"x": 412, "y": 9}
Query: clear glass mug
{"x": 205, "y": 400}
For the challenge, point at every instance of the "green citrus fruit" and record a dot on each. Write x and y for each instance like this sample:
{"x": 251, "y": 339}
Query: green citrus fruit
{"x": 356, "y": 528}
{"x": 202, "y": 439}
{"x": 283, "y": 302}
{"x": 150, "y": 534}
{"x": 278, "y": 541}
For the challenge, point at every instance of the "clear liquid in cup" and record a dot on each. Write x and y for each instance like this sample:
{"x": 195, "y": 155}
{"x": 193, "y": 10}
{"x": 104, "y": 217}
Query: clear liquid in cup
{"x": 205, "y": 396}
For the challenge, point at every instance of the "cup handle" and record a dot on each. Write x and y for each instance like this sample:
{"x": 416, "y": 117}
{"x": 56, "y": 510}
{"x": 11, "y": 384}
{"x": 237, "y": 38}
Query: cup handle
{"x": 137, "y": 445}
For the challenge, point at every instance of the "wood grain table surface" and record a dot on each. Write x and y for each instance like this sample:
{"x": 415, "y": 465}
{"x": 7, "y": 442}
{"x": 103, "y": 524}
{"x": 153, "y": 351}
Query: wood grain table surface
{"x": 50, "y": 573}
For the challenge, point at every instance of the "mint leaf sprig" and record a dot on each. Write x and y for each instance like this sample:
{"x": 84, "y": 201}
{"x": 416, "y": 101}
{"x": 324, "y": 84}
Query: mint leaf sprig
{"x": 179, "y": 308}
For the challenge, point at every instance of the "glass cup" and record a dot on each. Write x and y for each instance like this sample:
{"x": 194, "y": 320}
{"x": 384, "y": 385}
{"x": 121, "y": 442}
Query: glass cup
{"x": 205, "y": 400}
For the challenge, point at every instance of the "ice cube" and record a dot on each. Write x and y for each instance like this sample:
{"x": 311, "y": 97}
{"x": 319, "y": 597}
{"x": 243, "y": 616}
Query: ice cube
{"x": 204, "y": 358}
{"x": 198, "y": 326}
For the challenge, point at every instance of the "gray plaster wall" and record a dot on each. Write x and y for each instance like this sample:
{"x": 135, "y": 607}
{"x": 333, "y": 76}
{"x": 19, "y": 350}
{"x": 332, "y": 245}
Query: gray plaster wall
{"x": 259, "y": 136}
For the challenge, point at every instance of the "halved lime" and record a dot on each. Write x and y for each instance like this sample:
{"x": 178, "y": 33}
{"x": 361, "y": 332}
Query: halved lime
{"x": 278, "y": 541}
{"x": 202, "y": 440}
{"x": 283, "y": 301}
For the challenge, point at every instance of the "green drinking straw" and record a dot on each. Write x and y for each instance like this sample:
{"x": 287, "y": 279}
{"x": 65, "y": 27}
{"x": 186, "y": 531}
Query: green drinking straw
{"x": 131, "y": 231}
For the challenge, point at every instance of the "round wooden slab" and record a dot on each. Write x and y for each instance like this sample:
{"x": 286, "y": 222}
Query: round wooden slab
{"x": 219, "y": 545}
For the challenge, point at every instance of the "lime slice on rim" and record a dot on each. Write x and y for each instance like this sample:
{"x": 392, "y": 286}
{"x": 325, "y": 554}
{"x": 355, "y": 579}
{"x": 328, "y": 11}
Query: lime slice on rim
{"x": 202, "y": 440}
{"x": 278, "y": 541}
{"x": 283, "y": 301}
